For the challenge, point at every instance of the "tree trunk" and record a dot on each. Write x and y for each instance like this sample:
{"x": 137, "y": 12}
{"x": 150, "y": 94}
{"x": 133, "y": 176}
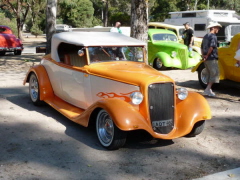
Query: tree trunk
{"x": 105, "y": 23}
{"x": 19, "y": 29}
{"x": 139, "y": 18}
{"x": 51, "y": 22}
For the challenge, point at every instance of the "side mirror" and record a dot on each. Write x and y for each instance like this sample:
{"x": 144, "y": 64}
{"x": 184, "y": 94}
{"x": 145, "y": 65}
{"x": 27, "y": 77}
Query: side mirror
{"x": 81, "y": 52}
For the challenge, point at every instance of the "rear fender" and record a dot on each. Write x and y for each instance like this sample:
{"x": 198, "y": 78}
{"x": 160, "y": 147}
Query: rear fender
{"x": 45, "y": 86}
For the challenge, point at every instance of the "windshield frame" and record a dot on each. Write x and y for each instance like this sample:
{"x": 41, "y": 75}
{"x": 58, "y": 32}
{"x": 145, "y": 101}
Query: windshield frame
{"x": 90, "y": 61}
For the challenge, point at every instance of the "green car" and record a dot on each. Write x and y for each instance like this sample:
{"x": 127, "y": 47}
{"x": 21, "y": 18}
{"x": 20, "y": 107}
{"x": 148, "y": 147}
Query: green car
{"x": 164, "y": 51}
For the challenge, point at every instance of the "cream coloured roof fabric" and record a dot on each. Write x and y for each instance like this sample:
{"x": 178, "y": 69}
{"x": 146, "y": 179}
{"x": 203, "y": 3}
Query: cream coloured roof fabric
{"x": 92, "y": 39}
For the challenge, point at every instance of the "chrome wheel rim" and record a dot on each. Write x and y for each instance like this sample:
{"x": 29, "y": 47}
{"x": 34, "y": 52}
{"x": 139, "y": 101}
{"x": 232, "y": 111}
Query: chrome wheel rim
{"x": 34, "y": 88}
{"x": 105, "y": 128}
{"x": 159, "y": 63}
{"x": 204, "y": 76}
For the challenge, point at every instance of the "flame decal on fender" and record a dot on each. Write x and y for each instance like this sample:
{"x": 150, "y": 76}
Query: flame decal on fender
{"x": 123, "y": 96}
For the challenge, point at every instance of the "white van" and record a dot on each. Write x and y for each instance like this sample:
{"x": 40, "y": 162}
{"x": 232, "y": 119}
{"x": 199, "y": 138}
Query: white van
{"x": 200, "y": 19}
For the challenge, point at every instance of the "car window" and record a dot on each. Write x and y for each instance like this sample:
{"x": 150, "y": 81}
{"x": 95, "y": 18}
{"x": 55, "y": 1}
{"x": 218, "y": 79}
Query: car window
{"x": 181, "y": 30}
{"x": 2, "y": 29}
{"x": 126, "y": 53}
{"x": 68, "y": 54}
{"x": 164, "y": 37}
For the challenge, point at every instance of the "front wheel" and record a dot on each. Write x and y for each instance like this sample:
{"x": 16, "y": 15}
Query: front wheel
{"x": 34, "y": 90}
{"x": 197, "y": 129}
{"x": 158, "y": 64}
{"x": 203, "y": 75}
{"x": 109, "y": 135}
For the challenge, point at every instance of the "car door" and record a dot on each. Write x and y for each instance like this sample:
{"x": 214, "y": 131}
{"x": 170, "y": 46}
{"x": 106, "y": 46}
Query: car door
{"x": 74, "y": 82}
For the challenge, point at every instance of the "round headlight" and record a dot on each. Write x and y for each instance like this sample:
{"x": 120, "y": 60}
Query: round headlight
{"x": 136, "y": 98}
{"x": 174, "y": 54}
{"x": 182, "y": 93}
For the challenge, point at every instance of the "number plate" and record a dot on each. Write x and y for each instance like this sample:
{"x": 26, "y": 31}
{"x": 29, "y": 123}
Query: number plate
{"x": 162, "y": 123}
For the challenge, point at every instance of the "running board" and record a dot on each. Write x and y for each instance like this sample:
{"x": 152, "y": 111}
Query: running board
{"x": 66, "y": 109}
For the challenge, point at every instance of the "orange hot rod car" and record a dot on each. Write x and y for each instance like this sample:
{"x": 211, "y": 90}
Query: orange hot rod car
{"x": 102, "y": 79}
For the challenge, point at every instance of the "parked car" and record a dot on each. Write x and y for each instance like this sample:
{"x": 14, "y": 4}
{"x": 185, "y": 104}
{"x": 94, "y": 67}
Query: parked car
{"x": 102, "y": 79}
{"x": 9, "y": 42}
{"x": 226, "y": 62}
{"x": 178, "y": 30}
{"x": 164, "y": 51}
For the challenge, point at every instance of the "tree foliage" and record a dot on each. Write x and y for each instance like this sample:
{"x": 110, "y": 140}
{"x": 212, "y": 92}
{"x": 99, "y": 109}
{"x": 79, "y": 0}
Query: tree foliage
{"x": 77, "y": 13}
{"x": 36, "y": 31}
{"x": 19, "y": 10}
{"x": 8, "y": 22}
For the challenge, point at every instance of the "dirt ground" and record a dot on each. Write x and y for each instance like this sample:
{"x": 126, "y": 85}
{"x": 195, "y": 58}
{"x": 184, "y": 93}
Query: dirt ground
{"x": 39, "y": 143}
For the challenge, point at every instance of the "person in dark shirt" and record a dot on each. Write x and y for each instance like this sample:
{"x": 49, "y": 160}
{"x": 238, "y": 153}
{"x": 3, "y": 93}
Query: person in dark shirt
{"x": 210, "y": 57}
{"x": 188, "y": 36}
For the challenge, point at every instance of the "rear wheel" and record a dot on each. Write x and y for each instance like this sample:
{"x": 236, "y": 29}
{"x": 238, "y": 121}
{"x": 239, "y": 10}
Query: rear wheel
{"x": 2, "y": 53}
{"x": 158, "y": 64}
{"x": 197, "y": 129}
{"x": 109, "y": 135}
{"x": 34, "y": 91}
{"x": 18, "y": 52}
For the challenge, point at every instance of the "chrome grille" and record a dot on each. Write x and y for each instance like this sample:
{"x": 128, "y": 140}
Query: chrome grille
{"x": 161, "y": 107}
{"x": 183, "y": 55}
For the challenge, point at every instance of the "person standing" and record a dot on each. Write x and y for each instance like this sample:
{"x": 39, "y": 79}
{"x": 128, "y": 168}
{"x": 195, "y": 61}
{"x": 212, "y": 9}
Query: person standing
{"x": 210, "y": 57}
{"x": 188, "y": 36}
{"x": 116, "y": 28}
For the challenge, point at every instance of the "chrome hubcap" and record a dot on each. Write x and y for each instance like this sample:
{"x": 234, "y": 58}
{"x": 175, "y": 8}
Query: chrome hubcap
{"x": 34, "y": 88}
{"x": 159, "y": 63}
{"x": 204, "y": 76}
{"x": 105, "y": 128}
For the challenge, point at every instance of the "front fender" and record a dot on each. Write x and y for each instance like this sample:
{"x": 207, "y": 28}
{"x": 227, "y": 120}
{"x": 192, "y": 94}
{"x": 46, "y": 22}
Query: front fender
{"x": 165, "y": 58}
{"x": 195, "y": 68}
{"x": 45, "y": 86}
{"x": 197, "y": 49}
{"x": 197, "y": 109}
{"x": 125, "y": 116}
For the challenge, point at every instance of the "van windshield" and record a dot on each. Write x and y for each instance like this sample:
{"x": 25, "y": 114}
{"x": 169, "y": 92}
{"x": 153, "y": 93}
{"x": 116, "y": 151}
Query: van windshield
{"x": 113, "y": 53}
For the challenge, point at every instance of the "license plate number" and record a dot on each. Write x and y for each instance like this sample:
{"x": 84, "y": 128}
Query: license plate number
{"x": 162, "y": 123}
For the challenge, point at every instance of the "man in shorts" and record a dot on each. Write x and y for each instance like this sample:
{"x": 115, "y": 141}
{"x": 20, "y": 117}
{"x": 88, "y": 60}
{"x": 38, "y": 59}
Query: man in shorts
{"x": 210, "y": 57}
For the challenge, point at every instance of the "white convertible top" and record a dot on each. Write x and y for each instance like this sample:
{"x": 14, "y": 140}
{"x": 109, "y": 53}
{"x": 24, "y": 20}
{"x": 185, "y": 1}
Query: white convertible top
{"x": 92, "y": 39}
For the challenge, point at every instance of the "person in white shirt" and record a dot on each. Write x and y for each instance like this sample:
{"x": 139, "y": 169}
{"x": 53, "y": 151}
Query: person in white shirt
{"x": 117, "y": 28}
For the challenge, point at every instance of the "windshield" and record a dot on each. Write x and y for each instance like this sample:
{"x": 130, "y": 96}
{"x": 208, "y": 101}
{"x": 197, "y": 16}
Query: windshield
{"x": 112, "y": 53}
{"x": 181, "y": 31}
{"x": 164, "y": 37}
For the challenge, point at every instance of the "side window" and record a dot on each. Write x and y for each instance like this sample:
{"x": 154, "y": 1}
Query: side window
{"x": 151, "y": 27}
{"x": 68, "y": 54}
{"x": 200, "y": 27}
{"x": 160, "y": 28}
